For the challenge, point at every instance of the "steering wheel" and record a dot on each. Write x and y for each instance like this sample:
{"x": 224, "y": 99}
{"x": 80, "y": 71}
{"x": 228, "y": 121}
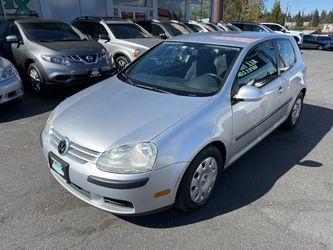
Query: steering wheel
{"x": 214, "y": 76}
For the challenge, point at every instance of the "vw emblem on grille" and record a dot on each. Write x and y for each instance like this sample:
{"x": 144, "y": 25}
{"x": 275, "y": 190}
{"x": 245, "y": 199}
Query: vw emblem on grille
{"x": 89, "y": 58}
{"x": 63, "y": 146}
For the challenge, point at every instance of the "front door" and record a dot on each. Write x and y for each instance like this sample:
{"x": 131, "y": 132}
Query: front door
{"x": 253, "y": 120}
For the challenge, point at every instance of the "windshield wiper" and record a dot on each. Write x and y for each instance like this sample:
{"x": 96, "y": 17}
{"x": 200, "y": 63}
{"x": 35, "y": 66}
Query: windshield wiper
{"x": 127, "y": 79}
{"x": 153, "y": 88}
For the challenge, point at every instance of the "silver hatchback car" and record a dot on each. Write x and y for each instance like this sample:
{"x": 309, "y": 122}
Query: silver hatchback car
{"x": 161, "y": 131}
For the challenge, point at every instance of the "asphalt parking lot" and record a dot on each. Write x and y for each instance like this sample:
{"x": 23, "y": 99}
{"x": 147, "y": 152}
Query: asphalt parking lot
{"x": 279, "y": 195}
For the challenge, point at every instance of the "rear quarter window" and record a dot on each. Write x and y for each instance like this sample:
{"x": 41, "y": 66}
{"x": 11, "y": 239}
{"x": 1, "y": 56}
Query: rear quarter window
{"x": 286, "y": 54}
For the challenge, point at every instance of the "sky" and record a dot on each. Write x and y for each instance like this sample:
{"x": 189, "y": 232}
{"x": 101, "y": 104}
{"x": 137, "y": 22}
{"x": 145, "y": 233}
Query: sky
{"x": 299, "y": 5}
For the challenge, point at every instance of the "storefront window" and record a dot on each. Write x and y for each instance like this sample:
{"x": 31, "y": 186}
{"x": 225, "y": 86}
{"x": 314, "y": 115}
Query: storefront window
{"x": 135, "y": 3}
{"x": 171, "y": 9}
{"x": 200, "y": 9}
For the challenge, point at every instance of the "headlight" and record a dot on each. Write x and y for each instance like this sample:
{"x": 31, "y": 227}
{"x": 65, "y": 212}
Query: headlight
{"x": 56, "y": 60}
{"x": 49, "y": 122}
{"x": 129, "y": 159}
{"x": 7, "y": 73}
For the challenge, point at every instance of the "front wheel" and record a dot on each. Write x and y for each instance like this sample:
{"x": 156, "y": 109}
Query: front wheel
{"x": 200, "y": 180}
{"x": 295, "y": 112}
{"x": 36, "y": 79}
{"x": 121, "y": 62}
{"x": 320, "y": 47}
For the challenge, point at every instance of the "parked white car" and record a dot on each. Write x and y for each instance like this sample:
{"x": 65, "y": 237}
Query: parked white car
{"x": 280, "y": 29}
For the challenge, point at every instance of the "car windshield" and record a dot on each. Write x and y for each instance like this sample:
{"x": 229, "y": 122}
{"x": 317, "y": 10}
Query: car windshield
{"x": 128, "y": 31}
{"x": 324, "y": 38}
{"x": 233, "y": 27}
{"x": 176, "y": 29}
{"x": 51, "y": 31}
{"x": 180, "y": 68}
{"x": 195, "y": 28}
{"x": 210, "y": 27}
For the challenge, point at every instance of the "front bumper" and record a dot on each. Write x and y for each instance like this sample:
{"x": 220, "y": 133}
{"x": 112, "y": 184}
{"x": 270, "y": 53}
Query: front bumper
{"x": 11, "y": 90}
{"x": 75, "y": 73}
{"x": 118, "y": 193}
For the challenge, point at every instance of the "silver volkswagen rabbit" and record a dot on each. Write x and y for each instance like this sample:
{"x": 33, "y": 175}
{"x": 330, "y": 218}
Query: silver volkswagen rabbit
{"x": 162, "y": 130}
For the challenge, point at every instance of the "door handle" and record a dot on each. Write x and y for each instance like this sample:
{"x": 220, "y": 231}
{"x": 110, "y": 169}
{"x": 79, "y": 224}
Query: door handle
{"x": 280, "y": 89}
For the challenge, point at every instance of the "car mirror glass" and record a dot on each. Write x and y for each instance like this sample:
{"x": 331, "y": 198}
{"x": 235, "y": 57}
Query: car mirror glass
{"x": 12, "y": 39}
{"x": 249, "y": 94}
{"x": 163, "y": 36}
{"x": 104, "y": 37}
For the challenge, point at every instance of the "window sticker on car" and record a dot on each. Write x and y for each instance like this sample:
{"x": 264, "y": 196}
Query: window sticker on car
{"x": 236, "y": 39}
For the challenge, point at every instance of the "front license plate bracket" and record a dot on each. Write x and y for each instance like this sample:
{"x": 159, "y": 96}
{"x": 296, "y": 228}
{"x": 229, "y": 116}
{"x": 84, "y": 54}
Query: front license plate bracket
{"x": 59, "y": 166}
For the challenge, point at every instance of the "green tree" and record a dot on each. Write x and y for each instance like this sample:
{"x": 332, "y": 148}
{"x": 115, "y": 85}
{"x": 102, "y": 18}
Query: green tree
{"x": 315, "y": 18}
{"x": 322, "y": 18}
{"x": 277, "y": 15}
{"x": 329, "y": 18}
{"x": 243, "y": 10}
{"x": 299, "y": 19}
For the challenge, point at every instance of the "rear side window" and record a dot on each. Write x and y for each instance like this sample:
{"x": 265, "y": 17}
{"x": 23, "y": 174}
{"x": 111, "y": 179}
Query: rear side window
{"x": 259, "y": 66}
{"x": 286, "y": 54}
{"x": 156, "y": 30}
{"x": 87, "y": 28}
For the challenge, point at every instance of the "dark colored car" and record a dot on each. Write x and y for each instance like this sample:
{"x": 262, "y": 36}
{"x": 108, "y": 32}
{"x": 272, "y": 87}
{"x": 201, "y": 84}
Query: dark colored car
{"x": 165, "y": 29}
{"x": 53, "y": 52}
{"x": 328, "y": 40}
{"x": 310, "y": 42}
{"x": 252, "y": 27}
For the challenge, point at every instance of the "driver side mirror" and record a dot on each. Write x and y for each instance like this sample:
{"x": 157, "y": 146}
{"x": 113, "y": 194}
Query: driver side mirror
{"x": 163, "y": 35}
{"x": 249, "y": 94}
{"x": 104, "y": 37}
{"x": 12, "y": 39}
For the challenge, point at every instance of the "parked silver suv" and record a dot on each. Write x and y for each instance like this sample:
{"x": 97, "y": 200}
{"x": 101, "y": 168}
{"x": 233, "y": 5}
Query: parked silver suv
{"x": 54, "y": 52}
{"x": 123, "y": 38}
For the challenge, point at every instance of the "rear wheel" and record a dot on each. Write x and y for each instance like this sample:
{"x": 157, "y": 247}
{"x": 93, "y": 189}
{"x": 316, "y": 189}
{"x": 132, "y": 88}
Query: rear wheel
{"x": 295, "y": 112}
{"x": 320, "y": 47}
{"x": 121, "y": 62}
{"x": 200, "y": 180}
{"x": 36, "y": 79}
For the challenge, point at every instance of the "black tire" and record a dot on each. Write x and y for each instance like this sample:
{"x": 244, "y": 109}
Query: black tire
{"x": 291, "y": 122}
{"x": 187, "y": 189}
{"x": 36, "y": 80}
{"x": 320, "y": 47}
{"x": 121, "y": 62}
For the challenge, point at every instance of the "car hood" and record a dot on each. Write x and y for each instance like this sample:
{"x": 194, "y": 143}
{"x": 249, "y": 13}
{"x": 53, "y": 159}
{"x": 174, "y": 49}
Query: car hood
{"x": 114, "y": 113}
{"x": 145, "y": 42}
{"x": 3, "y": 63}
{"x": 73, "y": 47}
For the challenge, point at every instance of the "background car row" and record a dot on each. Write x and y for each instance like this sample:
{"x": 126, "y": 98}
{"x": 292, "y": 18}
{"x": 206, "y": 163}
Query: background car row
{"x": 50, "y": 52}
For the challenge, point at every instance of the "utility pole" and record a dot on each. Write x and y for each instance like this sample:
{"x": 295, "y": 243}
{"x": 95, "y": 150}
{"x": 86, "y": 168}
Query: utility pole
{"x": 287, "y": 9}
{"x": 217, "y": 10}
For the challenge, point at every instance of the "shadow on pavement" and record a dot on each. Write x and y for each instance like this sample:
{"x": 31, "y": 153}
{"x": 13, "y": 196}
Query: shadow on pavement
{"x": 32, "y": 105}
{"x": 256, "y": 172}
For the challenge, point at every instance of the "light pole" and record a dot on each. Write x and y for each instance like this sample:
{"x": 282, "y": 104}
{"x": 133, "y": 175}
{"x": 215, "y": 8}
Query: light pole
{"x": 217, "y": 10}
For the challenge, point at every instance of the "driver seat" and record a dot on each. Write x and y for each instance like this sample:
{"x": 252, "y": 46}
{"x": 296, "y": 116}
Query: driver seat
{"x": 203, "y": 64}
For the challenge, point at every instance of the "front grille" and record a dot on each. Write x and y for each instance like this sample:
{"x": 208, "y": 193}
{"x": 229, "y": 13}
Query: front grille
{"x": 76, "y": 152}
{"x": 87, "y": 59}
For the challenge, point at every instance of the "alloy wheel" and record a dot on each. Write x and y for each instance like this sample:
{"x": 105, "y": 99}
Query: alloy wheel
{"x": 35, "y": 80}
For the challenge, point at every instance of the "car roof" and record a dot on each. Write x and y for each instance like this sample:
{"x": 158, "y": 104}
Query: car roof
{"x": 236, "y": 39}
{"x": 102, "y": 19}
{"x": 38, "y": 21}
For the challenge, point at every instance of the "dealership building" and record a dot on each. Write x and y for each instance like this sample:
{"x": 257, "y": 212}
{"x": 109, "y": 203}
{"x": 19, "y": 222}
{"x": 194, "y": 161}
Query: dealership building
{"x": 133, "y": 9}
